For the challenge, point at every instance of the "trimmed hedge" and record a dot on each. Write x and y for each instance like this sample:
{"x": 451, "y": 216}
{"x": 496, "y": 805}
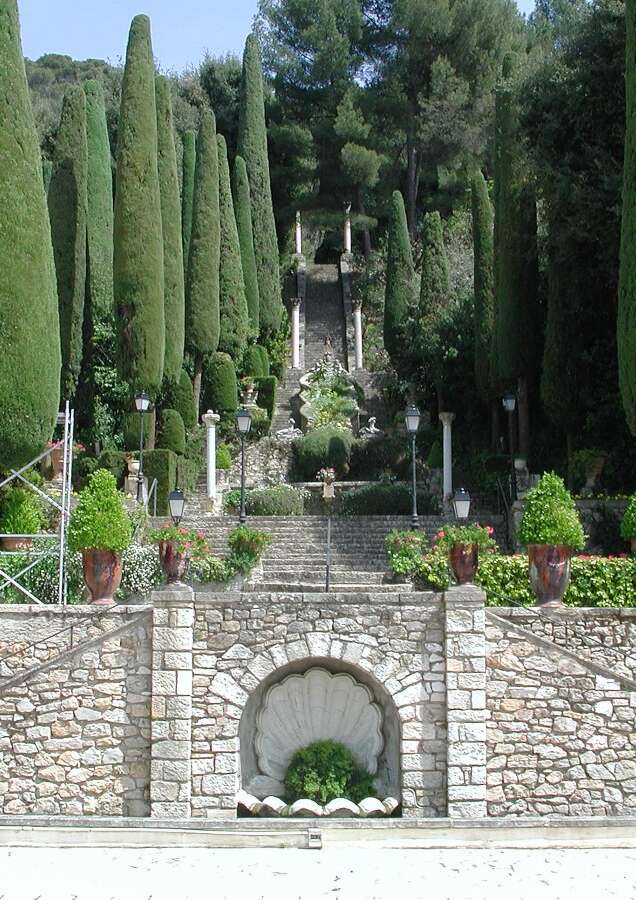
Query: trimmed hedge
{"x": 182, "y": 397}
{"x": 256, "y": 361}
{"x": 387, "y": 499}
{"x": 233, "y": 314}
{"x": 187, "y": 474}
{"x": 280, "y": 500}
{"x": 321, "y": 448}
{"x": 115, "y": 462}
{"x": 172, "y": 432}
{"x": 267, "y": 388}
{"x": 220, "y": 389}
{"x": 162, "y": 465}
{"x": 131, "y": 429}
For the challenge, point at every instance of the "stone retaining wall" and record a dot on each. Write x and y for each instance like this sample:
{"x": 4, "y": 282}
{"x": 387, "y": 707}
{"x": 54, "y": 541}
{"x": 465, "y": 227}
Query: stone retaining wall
{"x": 153, "y": 711}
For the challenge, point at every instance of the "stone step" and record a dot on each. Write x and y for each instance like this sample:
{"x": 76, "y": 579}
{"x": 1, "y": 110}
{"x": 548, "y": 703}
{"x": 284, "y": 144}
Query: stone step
{"x": 334, "y": 587}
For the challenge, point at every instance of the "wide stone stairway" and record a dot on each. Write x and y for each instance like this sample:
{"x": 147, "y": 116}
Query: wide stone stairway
{"x": 324, "y": 315}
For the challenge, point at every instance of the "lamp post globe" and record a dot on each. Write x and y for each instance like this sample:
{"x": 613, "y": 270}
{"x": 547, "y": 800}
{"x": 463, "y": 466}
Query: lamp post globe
{"x": 412, "y": 419}
{"x": 176, "y": 502}
{"x": 243, "y": 426}
{"x": 461, "y": 504}
{"x": 509, "y": 401}
{"x": 142, "y": 405}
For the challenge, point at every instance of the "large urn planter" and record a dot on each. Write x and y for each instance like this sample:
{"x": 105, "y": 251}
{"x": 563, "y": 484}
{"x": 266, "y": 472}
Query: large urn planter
{"x": 57, "y": 462}
{"x": 464, "y": 561}
{"x": 102, "y": 575}
{"x": 549, "y": 572}
{"x": 174, "y": 563}
{"x": 16, "y": 544}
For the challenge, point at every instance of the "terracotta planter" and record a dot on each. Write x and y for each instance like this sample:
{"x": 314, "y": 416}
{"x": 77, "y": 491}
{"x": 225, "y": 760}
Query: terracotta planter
{"x": 549, "y": 572}
{"x": 174, "y": 564}
{"x": 632, "y": 544}
{"x": 102, "y": 575}
{"x": 57, "y": 462}
{"x": 16, "y": 543}
{"x": 464, "y": 560}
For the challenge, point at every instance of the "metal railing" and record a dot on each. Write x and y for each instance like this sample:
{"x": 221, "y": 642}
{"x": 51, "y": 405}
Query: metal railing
{"x": 152, "y": 494}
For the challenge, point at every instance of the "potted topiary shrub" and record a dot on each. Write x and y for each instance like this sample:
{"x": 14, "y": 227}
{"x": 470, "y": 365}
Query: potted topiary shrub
{"x": 463, "y": 544}
{"x": 100, "y": 529}
{"x": 551, "y": 530}
{"x": 177, "y": 548}
{"x": 22, "y": 513}
{"x": 628, "y": 525}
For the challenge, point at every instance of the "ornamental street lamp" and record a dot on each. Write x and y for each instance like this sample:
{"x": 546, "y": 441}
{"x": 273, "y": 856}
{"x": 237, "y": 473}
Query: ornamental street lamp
{"x": 412, "y": 421}
{"x": 142, "y": 404}
{"x": 176, "y": 502}
{"x": 461, "y": 504}
{"x": 243, "y": 424}
{"x": 509, "y": 401}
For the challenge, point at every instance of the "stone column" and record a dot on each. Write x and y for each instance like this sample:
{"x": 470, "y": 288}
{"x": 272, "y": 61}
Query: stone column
{"x": 295, "y": 332}
{"x": 347, "y": 229}
{"x": 211, "y": 420}
{"x": 171, "y": 710}
{"x": 446, "y": 418}
{"x": 298, "y": 236}
{"x": 466, "y": 701}
{"x": 357, "y": 331}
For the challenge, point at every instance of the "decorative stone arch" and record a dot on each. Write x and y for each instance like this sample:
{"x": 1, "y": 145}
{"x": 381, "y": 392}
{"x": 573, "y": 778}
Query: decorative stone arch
{"x": 388, "y": 774}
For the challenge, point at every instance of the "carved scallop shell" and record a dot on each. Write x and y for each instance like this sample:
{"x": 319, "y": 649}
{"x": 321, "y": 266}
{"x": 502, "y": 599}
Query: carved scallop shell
{"x": 312, "y": 707}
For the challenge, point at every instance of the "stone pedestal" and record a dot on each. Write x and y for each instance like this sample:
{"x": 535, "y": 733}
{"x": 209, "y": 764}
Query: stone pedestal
{"x": 464, "y": 614}
{"x": 347, "y": 233}
{"x": 171, "y": 709}
{"x": 357, "y": 331}
{"x": 446, "y": 418}
{"x": 211, "y": 420}
{"x": 295, "y": 332}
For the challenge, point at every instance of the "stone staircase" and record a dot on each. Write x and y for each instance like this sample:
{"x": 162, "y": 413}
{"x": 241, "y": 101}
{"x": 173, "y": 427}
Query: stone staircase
{"x": 324, "y": 314}
{"x": 287, "y": 401}
{"x": 296, "y": 558}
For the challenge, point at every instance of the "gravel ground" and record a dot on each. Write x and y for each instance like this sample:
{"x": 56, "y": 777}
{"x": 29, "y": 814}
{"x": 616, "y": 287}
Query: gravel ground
{"x": 349, "y": 874}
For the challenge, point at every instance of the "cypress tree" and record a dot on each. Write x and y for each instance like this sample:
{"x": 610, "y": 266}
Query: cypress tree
{"x": 187, "y": 193}
{"x": 202, "y": 293}
{"x": 138, "y": 242}
{"x": 232, "y": 302}
{"x": 483, "y": 281}
{"x": 626, "y": 321}
{"x": 435, "y": 284}
{"x": 173, "y": 279}
{"x": 243, "y": 212}
{"x": 30, "y": 356}
{"x": 400, "y": 283}
{"x": 67, "y": 202}
{"x": 252, "y": 147}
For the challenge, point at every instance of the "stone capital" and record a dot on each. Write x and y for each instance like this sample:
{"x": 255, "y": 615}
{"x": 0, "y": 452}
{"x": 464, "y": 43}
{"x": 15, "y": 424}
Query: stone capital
{"x": 295, "y": 302}
{"x": 446, "y": 418}
{"x": 210, "y": 419}
{"x": 356, "y": 303}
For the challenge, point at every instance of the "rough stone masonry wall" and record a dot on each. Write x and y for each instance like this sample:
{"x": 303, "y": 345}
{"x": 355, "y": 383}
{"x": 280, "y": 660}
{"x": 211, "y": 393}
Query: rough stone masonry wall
{"x": 75, "y": 733}
{"x": 241, "y": 640}
{"x": 561, "y": 737}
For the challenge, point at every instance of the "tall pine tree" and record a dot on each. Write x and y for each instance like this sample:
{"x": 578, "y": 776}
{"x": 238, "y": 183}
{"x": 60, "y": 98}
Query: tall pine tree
{"x": 202, "y": 291}
{"x": 173, "y": 278}
{"x": 187, "y": 192}
{"x": 138, "y": 243}
{"x": 252, "y": 147}
{"x": 30, "y": 356}
{"x": 400, "y": 285}
{"x": 67, "y": 202}
{"x": 626, "y": 325}
{"x": 243, "y": 212}
{"x": 232, "y": 302}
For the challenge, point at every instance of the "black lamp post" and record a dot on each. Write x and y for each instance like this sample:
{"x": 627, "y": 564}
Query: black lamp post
{"x": 509, "y": 401}
{"x": 142, "y": 403}
{"x": 461, "y": 504}
{"x": 243, "y": 424}
{"x": 176, "y": 502}
{"x": 412, "y": 422}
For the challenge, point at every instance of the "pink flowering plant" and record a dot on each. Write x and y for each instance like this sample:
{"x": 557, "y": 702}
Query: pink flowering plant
{"x": 327, "y": 475}
{"x": 187, "y": 541}
{"x": 482, "y": 535}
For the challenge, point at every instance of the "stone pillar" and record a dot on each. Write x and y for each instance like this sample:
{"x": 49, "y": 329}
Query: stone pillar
{"x": 211, "y": 420}
{"x": 464, "y": 609}
{"x": 295, "y": 332}
{"x": 298, "y": 236}
{"x": 446, "y": 418}
{"x": 357, "y": 331}
{"x": 171, "y": 710}
{"x": 347, "y": 229}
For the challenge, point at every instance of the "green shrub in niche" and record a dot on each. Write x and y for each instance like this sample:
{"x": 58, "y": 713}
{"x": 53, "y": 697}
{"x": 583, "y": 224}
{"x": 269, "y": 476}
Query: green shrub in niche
{"x": 324, "y": 771}
{"x": 322, "y": 448}
{"x": 172, "y": 432}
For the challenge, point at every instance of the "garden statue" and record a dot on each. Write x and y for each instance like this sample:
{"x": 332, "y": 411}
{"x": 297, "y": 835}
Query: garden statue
{"x": 289, "y": 433}
{"x": 370, "y": 430}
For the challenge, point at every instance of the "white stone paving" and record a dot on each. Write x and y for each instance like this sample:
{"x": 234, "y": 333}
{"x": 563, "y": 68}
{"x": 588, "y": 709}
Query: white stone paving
{"x": 351, "y": 874}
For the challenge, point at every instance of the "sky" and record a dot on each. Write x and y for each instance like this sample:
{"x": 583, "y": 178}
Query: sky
{"x": 182, "y": 31}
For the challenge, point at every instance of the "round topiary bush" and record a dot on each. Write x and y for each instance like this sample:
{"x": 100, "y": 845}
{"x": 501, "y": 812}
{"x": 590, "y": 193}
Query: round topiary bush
{"x": 183, "y": 400}
{"x": 172, "y": 434}
{"x": 256, "y": 361}
{"x": 324, "y": 771}
{"x": 100, "y": 521}
{"x": 323, "y": 448}
{"x": 550, "y": 515}
{"x": 220, "y": 389}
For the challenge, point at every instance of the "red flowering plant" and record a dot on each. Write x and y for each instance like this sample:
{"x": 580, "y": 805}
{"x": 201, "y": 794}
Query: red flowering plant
{"x": 482, "y": 535}
{"x": 186, "y": 541}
